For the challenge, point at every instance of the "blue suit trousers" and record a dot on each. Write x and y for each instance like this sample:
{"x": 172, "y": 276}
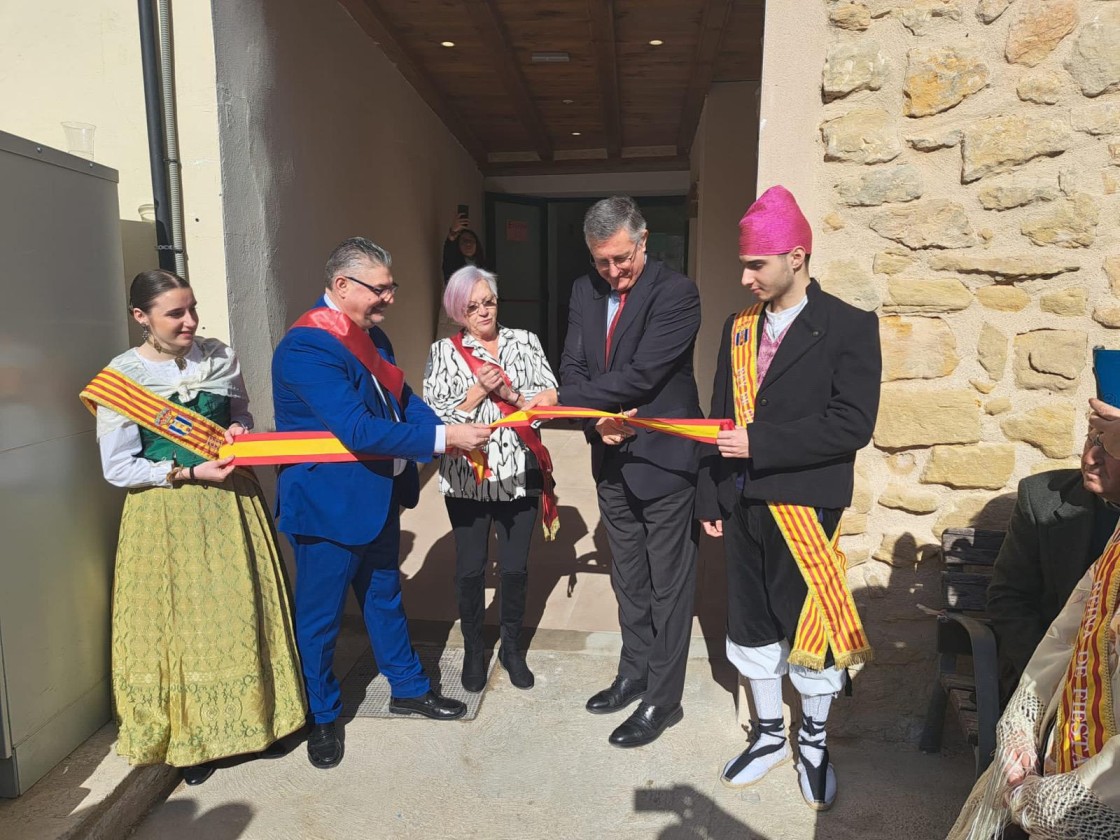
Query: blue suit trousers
{"x": 324, "y": 571}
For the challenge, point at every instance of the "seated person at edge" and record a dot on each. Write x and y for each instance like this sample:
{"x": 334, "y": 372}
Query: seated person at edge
{"x": 1060, "y": 525}
{"x": 461, "y": 248}
{"x": 204, "y": 657}
{"x": 334, "y": 371}
{"x": 1054, "y": 775}
{"x": 477, "y": 376}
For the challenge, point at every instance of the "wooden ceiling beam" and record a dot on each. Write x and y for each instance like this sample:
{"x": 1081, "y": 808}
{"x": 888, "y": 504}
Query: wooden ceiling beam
{"x": 591, "y": 166}
{"x": 495, "y": 37}
{"x": 373, "y": 20}
{"x": 717, "y": 14}
{"x": 601, "y": 13}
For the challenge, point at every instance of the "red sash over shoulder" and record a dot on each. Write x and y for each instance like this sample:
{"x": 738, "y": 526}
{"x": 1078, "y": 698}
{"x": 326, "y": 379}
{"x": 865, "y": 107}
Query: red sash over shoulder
{"x": 550, "y": 515}
{"x": 358, "y": 342}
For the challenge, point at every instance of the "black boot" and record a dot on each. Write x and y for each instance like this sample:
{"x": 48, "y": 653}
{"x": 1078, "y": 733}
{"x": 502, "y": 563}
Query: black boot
{"x": 513, "y": 613}
{"x": 472, "y": 605}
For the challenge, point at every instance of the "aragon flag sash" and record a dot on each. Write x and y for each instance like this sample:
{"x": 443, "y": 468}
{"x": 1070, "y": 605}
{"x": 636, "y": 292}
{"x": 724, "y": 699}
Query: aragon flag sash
{"x": 829, "y": 617}
{"x": 1086, "y": 719}
{"x": 187, "y": 428}
{"x": 550, "y": 515}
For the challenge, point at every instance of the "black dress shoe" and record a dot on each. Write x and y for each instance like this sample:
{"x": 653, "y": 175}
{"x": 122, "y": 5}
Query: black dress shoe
{"x": 646, "y": 724}
{"x": 622, "y": 693}
{"x": 514, "y": 663}
{"x": 197, "y": 774}
{"x": 324, "y": 747}
{"x": 430, "y": 705}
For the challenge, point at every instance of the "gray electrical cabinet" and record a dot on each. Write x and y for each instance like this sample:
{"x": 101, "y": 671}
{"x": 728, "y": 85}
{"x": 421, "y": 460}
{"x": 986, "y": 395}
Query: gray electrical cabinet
{"x": 62, "y": 317}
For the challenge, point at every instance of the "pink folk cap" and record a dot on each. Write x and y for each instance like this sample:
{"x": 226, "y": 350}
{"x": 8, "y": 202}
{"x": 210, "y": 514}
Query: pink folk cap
{"x": 774, "y": 224}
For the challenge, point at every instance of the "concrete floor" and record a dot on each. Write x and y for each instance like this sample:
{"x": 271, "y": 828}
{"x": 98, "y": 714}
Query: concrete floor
{"x": 536, "y": 765}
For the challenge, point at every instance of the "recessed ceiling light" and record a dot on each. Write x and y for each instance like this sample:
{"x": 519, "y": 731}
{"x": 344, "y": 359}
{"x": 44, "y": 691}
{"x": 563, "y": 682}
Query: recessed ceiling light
{"x": 576, "y": 133}
{"x": 567, "y": 101}
{"x": 656, "y": 42}
{"x": 447, "y": 43}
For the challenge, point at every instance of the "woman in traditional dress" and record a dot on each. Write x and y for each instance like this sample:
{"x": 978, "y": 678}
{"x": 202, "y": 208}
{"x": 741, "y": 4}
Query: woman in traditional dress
{"x": 204, "y": 661}
{"x": 477, "y": 376}
{"x": 1055, "y": 776}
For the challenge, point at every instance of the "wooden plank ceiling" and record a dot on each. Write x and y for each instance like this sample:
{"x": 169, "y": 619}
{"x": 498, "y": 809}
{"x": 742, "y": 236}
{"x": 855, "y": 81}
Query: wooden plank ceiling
{"x": 618, "y": 102}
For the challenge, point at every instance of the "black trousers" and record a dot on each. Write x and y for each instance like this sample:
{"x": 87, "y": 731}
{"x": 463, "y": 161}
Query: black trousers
{"x": 765, "y": 588}
{"x": 471, "y": 522}
{"x": 653, "y": 572}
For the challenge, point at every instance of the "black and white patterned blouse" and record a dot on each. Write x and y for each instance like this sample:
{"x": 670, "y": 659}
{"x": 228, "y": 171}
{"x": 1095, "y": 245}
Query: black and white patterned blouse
{"x": 514, "y": 472}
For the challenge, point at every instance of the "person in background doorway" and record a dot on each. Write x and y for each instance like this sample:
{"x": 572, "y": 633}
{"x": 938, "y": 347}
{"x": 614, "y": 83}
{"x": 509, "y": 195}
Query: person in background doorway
{"x": 632, "y": 327}
{"x": 204, "y": 659}
{"x": 478, "y": 376}
{"x": 461, "y": 248}
{"x": 798, "y": 372}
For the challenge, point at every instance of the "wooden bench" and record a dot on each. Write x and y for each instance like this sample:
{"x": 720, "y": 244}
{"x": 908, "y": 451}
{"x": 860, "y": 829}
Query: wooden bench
{"x": 963, "y": 629}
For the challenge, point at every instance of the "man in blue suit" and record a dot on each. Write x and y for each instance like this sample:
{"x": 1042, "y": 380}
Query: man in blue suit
{"x": 334, "y": 372}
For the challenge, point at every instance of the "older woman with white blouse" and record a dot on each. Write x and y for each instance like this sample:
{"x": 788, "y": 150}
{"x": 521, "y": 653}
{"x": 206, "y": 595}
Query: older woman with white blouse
{"x": 477, "y": 376}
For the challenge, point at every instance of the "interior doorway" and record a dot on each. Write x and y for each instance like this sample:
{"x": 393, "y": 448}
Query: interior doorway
{"x": 537, "y": 250}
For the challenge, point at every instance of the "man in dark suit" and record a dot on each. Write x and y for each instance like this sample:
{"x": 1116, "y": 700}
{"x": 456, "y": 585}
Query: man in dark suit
{"x": 334, "y": 372}
{"x": 798, "y": 373}
{"x": 1061, "y": 523}
{"x": 632, "y": 324}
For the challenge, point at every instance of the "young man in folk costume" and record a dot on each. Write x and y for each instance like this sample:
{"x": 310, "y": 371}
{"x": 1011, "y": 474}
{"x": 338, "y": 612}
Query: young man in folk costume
{"x": 1054, "y": 774}
{"x": 798, "y": 372}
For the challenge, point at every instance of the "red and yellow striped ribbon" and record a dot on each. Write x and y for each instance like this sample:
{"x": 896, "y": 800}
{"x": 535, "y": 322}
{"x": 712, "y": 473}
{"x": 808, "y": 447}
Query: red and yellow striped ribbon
{"x": 169, "y": 420}
{"x": 829, "y": 617}
{"x": 259, "y": 449}
{"x": 701, "y": 430}
{"x": 264, "y": 448}
{"x": 1086, "y": 718}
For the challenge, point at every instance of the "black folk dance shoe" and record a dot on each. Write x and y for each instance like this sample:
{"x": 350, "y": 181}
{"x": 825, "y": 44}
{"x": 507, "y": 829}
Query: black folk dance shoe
{"x": 817, "y": 781}
{"x": 768, "y": 748}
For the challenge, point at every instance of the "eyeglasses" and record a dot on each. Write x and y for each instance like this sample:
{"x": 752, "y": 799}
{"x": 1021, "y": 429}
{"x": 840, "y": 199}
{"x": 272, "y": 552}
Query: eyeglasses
{"x": 621, "y": 263}
{"x": 489, "y": 303}
{"x": 380, "y": 291}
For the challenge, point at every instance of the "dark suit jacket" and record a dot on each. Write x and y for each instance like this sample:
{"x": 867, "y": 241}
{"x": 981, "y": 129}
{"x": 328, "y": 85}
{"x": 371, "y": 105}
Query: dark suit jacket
{"x": 814, "y": 410}
{"x": 1048, "y": 548}
{"x": 319, "y": 385}
{"x": 650, "y": 369}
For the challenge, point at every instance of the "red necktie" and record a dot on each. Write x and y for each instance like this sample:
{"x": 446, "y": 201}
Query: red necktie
{"x": 614, "y": 323}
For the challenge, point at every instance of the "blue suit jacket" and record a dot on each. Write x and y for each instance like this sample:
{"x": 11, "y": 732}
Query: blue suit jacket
{"x": 318, "y": 385}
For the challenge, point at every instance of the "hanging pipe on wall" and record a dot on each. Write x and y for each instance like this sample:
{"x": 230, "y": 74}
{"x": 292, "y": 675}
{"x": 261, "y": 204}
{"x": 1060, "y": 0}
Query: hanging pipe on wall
{"x": 163, "y": 134}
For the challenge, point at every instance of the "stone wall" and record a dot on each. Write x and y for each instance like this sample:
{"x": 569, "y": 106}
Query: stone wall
{"x": 969, "y": 166}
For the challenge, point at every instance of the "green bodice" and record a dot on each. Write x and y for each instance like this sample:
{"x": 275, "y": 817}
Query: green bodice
{"x": 159, "y": 448}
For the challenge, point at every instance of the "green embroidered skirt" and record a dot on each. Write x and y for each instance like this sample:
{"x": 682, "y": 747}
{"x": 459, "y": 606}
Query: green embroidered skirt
{"x": 204, "y": 652}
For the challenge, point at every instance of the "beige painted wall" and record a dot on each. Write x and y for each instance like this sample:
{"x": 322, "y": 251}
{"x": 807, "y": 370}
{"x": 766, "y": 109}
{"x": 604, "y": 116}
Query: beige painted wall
{"x": 323, "y": 139}
{"x": 65, "y": 61}
{"x": 724, "y": 160}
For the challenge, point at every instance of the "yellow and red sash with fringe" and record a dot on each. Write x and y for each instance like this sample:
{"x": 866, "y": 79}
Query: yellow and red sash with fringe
{"x": 829, "y": 617}
{"x": 180, "y": 425}
{"x": 1086, "y": 719}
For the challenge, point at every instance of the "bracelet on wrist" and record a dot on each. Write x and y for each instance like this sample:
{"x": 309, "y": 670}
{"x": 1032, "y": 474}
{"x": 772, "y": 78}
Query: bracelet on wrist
{"x": 190, "y": 472}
